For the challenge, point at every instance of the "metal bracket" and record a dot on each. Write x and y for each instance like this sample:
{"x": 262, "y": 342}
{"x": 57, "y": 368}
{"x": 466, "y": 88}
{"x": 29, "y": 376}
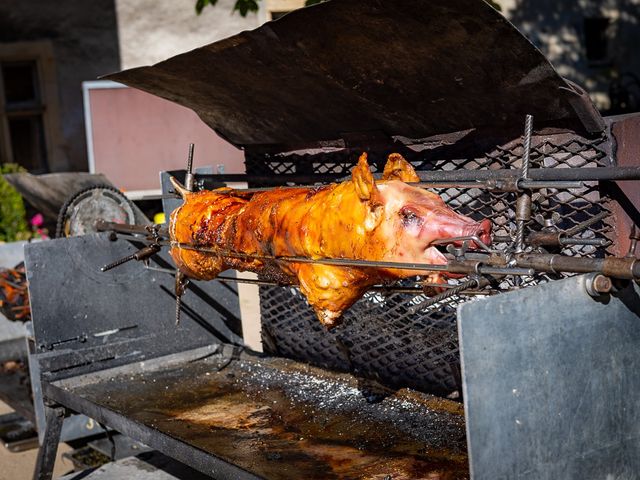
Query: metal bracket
{"x": 47, "y": 453}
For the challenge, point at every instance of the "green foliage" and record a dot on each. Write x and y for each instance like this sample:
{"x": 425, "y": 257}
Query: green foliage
{"x": 200, "y": 4}
{"x": 11, "y": 168}
{"x": 246, "y": 6}
{"x": 494, "y": 4}
{"x": 242, "y": 6}
{"x": 13, "y": 222}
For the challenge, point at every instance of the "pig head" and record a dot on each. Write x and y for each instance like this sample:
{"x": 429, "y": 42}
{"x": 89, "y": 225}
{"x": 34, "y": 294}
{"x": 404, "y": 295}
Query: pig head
{"x": 387, "y": 220}
{"x": 394, "y": 222}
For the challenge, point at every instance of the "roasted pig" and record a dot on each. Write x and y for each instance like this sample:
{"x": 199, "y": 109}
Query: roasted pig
{"x": 387, "y": 220}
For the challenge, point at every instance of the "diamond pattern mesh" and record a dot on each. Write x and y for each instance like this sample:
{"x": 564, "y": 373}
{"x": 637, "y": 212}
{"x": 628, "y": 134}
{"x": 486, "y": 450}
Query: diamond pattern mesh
{"x": 382, "y": 338}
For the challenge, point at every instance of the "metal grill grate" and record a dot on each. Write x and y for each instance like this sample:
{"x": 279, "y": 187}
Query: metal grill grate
{"x": 381, "y": 338}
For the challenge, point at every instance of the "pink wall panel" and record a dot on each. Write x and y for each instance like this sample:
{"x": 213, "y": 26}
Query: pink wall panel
{"x": 136, "y": 135}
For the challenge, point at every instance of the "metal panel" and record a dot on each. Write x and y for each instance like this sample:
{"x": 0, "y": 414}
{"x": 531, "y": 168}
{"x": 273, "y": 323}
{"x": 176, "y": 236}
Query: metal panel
{"x": 237, "y": 415}
{"x": 368, "y": 70}
{"x": 551, "y": 379}
{"x": 128, "y": 312}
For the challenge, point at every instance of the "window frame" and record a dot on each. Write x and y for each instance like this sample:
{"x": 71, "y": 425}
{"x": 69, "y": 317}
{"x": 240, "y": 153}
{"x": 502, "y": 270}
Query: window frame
{"x": 282, "y": 6}
{"x": 41, "y": 53}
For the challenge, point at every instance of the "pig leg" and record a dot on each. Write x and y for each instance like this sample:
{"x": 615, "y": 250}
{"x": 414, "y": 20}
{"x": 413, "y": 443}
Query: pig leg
{"x": 330, "y": 290}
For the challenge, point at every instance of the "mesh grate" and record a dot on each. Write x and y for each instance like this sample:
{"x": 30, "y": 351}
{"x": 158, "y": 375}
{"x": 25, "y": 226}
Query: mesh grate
{"x": 380, "y": 338}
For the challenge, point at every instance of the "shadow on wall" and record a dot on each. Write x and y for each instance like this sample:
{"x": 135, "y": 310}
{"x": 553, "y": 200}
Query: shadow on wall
{"x": 592, "y": 43}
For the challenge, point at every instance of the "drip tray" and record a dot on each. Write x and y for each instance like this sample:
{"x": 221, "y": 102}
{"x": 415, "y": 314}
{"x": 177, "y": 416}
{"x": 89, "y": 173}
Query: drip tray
{"x": 273, "y": 417}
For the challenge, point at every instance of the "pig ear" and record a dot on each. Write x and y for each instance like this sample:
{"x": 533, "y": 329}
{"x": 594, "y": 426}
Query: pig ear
{"x": 363, "y": 181}
{"x": 367, "y": 192}
{"x": 397, "y": 168}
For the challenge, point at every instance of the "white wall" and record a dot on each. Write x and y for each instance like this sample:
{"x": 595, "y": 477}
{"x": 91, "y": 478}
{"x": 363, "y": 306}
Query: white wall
{"x": 152, "y": 30}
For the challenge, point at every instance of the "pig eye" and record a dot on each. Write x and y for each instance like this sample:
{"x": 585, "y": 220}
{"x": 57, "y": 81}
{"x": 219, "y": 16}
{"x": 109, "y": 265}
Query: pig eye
{"x": 409, "y": 217}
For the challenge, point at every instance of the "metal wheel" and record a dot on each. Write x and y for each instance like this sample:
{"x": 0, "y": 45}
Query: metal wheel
{"x": 79, "y": 213}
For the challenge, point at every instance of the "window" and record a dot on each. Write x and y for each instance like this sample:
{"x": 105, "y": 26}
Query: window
{"x": 279, "y": 8}
{"x": 596, "y": 39}
{"x": 28, "y": 107}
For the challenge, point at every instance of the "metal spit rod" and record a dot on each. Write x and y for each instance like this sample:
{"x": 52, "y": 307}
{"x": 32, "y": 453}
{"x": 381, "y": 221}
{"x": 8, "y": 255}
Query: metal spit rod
{"x": 475, "y": 263}
{"x": 454, "y": 266}
{"x": 375, "y": 288}
{"x": 464, "y": 178}
{"x": 496, "y": 185}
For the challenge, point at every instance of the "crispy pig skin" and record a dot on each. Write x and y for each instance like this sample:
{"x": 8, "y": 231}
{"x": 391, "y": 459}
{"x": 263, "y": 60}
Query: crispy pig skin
{"x": 345, "y": 220}
{"x": 283, "y": 222}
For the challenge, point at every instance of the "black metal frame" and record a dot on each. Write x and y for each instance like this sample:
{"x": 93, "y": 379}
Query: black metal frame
{"x": 46, "y": 459}
{"x": 177, "y": 449}
{"x": 104, "y": 337}
{"x": 79, "y": 360}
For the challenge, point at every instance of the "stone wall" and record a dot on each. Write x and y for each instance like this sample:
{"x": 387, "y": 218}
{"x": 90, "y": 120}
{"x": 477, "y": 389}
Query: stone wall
{"x": 558, "y": 29}
{"x": 85, "y": 45}
{"x": 93, "y": 38}
{"x": 151, "y": 30}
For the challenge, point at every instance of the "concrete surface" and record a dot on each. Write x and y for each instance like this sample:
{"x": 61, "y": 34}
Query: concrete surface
{"x": 20, "y": 466}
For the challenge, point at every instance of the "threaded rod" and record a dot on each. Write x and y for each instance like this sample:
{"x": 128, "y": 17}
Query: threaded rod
{"x": 472, "y": 283}
{"x": 117, "y": 263}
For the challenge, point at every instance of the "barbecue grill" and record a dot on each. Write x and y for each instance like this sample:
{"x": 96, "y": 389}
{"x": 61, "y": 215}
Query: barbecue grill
{"x": 490, "y": 126}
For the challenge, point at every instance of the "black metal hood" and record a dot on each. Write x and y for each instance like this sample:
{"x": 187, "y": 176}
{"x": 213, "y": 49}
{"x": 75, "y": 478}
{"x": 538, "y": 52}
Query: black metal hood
{"x": 411, "y": 68}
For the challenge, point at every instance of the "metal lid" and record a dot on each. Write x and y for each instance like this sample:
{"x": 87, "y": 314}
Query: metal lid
{"x": 411, "y": 68}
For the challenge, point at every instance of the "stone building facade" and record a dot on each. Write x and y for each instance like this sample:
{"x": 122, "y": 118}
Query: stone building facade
{"x": 47, "y": 49}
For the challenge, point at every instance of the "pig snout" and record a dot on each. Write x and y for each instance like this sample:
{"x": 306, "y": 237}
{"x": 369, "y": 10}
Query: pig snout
{"x": 482, "y": 230}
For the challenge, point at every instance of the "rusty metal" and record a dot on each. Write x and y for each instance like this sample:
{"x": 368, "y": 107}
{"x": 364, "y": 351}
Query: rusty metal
{"x": 555, "y": 239}
{"x": 189, "y": 177}
{"x": 523, "y": 215}
{"x": 526, "y": 264}
{"x": 523, "y": 204}
{"x": 586, "y": 224}
{"x": 181, "y": 284}
{"x": 473, "y": 284}
{"x": 470, "y": 263}
{"x": 634, "y": 236}
{"x": 616, "y": 267}
{"x": 585, "y": 174}
{"x": 597, "y": 284}
{"x": 386, "y": 289}
{"x": 625, "y": 135}
{"x": 506, "y": 184}
{"x": 143, "y": 254}
{"x": 151, "y": 231}
{"x": 452, "y": 266}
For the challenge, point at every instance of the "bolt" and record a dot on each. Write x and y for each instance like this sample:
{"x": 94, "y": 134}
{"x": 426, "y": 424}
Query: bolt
{"x": 598, "y": 284}
{"x": 602, "y": 284}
